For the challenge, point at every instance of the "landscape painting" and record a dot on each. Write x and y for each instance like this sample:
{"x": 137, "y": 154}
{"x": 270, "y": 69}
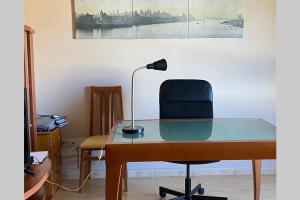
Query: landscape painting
{"x": 160, "y": 19}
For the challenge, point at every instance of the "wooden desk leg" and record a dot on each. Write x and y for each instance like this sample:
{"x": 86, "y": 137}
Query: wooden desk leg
{"x": 121, "y": 182}
{"x": 256, "y": 165}
{"x": 113, "y": 188}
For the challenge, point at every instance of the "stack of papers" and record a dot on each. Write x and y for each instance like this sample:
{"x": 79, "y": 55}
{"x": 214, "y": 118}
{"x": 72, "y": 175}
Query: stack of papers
{"x": 45, "y": 124}
{"x": 38, "y": 157}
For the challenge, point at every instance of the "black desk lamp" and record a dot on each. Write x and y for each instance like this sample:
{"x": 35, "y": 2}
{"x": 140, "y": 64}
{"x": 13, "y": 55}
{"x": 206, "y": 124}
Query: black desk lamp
{"x": 158, "y": 65}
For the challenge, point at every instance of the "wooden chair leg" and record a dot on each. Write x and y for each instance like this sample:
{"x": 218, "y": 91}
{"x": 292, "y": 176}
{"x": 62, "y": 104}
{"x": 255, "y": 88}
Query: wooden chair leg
{"x": 256, "y": 164}
{"x": 125, "y": 176}
{"x": 81, "y": 173}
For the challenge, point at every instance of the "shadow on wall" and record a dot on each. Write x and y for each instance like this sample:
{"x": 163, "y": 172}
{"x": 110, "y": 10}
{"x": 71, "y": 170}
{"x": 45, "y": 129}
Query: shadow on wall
{"x": 75, "y": 104}
{"x": 75, "y": 98}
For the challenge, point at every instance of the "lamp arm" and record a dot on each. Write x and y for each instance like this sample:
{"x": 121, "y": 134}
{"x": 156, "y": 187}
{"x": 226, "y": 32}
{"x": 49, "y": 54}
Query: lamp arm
{"x": 132, "y": 94}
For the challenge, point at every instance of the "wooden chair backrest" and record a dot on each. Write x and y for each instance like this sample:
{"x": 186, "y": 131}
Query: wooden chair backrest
{"x": 106, "y": 108}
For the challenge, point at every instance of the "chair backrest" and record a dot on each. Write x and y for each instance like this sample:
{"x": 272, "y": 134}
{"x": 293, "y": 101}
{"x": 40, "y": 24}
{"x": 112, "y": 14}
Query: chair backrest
{"x": 185, "y": 98}
{"x": 106, "y": 108}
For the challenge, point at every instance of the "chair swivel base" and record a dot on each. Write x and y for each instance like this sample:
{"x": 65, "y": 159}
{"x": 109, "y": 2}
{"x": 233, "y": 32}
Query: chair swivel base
{"x": 192, "y": 196}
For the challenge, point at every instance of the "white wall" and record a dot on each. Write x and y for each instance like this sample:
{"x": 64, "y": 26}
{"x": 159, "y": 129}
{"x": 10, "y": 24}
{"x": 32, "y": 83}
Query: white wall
{"x": 241, "y": 71}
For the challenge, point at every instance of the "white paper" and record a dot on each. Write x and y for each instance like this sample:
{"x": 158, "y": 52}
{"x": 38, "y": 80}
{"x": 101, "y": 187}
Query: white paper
{"x": 38, "y": 156}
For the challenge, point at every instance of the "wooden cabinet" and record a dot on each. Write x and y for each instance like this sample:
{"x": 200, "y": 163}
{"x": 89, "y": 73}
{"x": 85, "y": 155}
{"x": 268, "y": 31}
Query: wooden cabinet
{"x": 51, "y": 142}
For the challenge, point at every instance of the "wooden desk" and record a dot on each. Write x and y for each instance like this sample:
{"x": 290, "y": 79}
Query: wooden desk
{"x": 190, "y": 140}
{"x": 33, "y": 183}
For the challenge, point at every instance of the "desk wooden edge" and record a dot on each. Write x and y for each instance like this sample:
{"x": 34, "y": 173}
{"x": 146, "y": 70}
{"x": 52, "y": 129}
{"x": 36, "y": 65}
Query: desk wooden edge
{"x": 42, "y": 171}
{"x": 33, "y": 190}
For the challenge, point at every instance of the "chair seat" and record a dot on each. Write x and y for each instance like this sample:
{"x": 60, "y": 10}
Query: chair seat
{"x": 195, "y": 162}
{"x": 93, "y": 142}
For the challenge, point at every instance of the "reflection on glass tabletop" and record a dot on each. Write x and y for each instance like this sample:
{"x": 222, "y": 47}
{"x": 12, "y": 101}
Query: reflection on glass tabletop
{"x": 227, "y": 129}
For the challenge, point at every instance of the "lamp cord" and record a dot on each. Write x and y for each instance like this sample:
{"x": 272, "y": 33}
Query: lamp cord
{"x": 76, "y": 190}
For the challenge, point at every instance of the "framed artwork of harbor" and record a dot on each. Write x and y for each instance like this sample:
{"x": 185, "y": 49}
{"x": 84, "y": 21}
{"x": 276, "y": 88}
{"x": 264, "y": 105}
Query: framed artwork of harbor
{"x": 157, "y": 19}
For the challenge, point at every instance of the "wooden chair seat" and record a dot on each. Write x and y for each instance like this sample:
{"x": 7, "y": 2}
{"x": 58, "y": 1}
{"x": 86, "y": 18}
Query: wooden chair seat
{"x": 93, "y": 142}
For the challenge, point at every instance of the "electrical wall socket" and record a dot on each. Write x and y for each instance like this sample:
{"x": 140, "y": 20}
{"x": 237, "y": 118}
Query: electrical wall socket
{"x": 72, "y": 141}
{"x": 67, "y": 142}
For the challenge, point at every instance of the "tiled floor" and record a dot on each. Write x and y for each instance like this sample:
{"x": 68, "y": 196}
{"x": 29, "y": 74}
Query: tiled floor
{"x": 233, "y": 187}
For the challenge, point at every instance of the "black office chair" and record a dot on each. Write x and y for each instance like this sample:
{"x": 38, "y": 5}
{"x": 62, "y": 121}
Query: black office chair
{"x": 186, "y": 99}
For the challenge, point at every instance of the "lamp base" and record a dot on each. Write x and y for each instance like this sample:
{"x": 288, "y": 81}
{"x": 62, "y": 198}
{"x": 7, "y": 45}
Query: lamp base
{"x": 133, "y": 130}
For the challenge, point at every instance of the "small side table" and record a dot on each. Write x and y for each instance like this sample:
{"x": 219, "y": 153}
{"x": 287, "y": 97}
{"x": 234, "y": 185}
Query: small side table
{"x": 51, "y": 142}
{"x": 33, "y": 184}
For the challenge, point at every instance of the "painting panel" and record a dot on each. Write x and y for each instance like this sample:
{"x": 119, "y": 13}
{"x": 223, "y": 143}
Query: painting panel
{"x": 160, "y": 18}
{"x": 103, "y": 19}
{"x": 216, "y": 18}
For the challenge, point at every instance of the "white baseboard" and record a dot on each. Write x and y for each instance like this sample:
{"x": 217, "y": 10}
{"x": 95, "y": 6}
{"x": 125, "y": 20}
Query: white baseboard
{"x": 74, "y": 173}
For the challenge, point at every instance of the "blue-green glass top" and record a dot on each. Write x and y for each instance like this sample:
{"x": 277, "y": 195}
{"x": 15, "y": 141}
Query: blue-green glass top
{"x": 197, "y": 130}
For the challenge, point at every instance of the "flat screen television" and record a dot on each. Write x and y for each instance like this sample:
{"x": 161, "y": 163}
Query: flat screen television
{"x": 28, "y": 160}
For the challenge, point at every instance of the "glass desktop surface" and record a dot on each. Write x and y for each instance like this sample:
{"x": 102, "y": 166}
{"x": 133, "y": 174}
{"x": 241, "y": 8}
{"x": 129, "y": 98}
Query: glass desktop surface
{"x": 197, "y": 130}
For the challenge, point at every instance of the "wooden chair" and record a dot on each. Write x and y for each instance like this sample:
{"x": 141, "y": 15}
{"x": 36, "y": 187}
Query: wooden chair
{"x": 106, "y": 107}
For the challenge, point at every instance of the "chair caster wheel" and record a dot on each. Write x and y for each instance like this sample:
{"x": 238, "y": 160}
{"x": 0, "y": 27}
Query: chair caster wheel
{"x": 162, "y": 194}
{"x": 201, "y": 190}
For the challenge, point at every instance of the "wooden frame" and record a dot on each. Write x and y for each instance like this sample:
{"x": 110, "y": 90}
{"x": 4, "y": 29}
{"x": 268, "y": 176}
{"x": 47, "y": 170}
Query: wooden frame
{"x": 29, "y": 83}
{"x": 119, "y": 153}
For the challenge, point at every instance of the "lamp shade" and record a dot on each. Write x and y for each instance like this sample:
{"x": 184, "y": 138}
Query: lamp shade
{"x": 158, "y": 65}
